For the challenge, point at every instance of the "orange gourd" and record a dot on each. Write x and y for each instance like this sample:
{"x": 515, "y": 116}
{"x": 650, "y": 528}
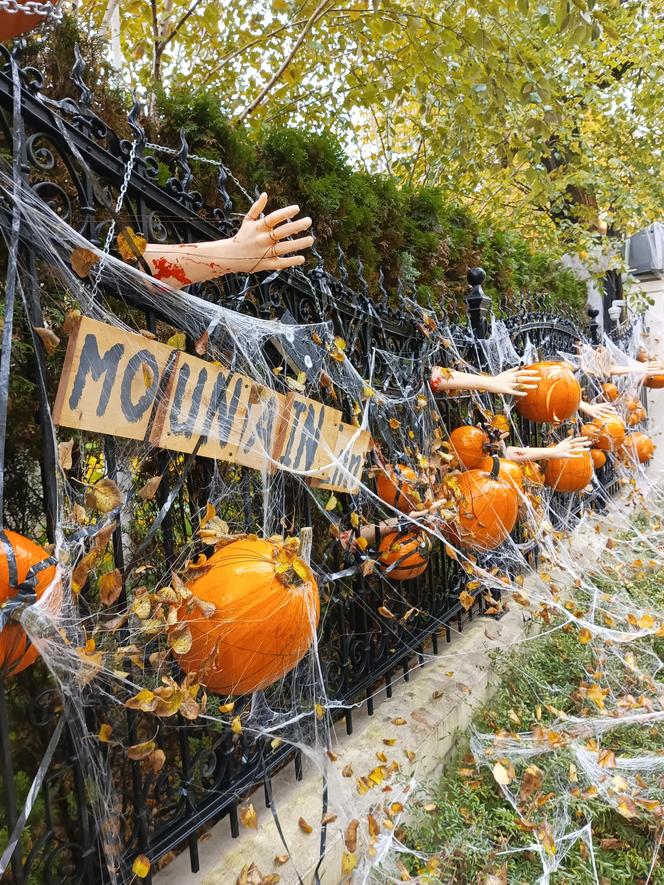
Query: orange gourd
{"x": 510, "y": 471}
{"x": 404, "y": 556}
{"x": 469, "y": 445}
{"x": 396, "y": 487}
{"x": 24, "y": 566}
{"x": 266, "y": 614}
{"x": 488, "y": 509}
{"x": 610, "y": 391}
{"x": 591, "y": 431}
{"x": 569, "y": 474}
{"x": 599, "y": 458}
{"x": 555, "y": 398}
{"x": 655, "y": 382}
{"x": 639, "y": 447}
{"x": 611, "y": 433}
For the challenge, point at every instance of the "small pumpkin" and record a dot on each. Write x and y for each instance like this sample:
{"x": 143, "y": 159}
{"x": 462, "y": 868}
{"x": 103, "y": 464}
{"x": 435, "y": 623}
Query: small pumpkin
{"x": 266, "y": 614}
{"x": 639, "y": 447}
{"x": 591, "y": 431}
{"x": 24, "y": 567}
{"x": 599, "y": 458}
{"x": 510, "y": 471}
{"x": 395, "y": 485}
{"x": 555, "y": 398}
{"x": 404, "y": 555}
{"x": 610, "y": 391}
{"x": 469, "y": 444}
{"x": 633, "y": 404}
{"x": 488, "y": 508}
{"x": 611, "y": 433}
{"x": 569, "y": 474}
{"x": 655, "y": 382}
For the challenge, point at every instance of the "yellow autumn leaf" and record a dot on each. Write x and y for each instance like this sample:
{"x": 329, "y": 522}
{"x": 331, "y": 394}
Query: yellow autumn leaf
{"x": 348, "y": 862}
{"x": 83, "y": 260}
{"x": 585, "y": 635}
{"x": 331, "y": 502}
{"x": 466, "y": 600}
{"x": 304, "y": 826}
{"x": 236, "y": 725}
{"x": 141, "y": 866}
{"x": 105, "y": 732}
{"x": 501, "y": 774}
{"x": 319, "y": 711}
{"x": 178, "y": 341}
{"x": 104, "y": 496}
{"x": 127, "y": 237}
{"x": 248, "y": 817}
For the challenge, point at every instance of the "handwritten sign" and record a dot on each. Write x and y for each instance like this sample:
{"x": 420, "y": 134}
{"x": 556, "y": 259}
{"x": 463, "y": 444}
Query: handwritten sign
{"x": 119, "y": 383}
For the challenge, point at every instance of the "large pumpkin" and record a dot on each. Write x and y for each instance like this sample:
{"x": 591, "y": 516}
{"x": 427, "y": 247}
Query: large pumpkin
{"x": 556, "y": 397}
{"x": 654, "y": 381}
{"x": 405, "y": 556}
{"x": 14, "y": 24}
{"x": 25, "y": 567}
{"x": 569, "y": 474}
{"x": 510, "y": 471}
{"x": 599, "y": 458}
{"x": 488, "y": 509}
{"x": 396, "y": 487}
{"x": 639, "y": 447}
{"x": 611, "y": 433}
{"x": 265, "y": 617}
{"x": 469, "y": 445}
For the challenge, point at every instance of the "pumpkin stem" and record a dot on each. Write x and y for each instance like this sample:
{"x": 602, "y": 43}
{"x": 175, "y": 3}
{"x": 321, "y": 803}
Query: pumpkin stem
{"x": 495, "y": 468}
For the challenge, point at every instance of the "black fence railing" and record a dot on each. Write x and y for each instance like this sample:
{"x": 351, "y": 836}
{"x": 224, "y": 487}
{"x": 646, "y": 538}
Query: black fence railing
{"x": 70, "y": 159}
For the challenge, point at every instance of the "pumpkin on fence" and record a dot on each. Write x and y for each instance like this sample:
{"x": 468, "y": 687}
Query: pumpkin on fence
{"x": 510, "y": 471}
{"x": 639, "y": 447}
{"x": 655, "y": 382}
{"x": 611, "y": 433}
{"x": 469, "y": 444}
{"x": 405, "y": 555}
{"x": 569, "y": 474}
{"x": 266, "y": 614}
{"x": 488, "y": 507}
{"x": 395, "y": 485}
{"x": 610, "y": 391}
{"x": 555, "y": 398}
{"x": 25, "y": 568}
{"x": 599, "y": 458}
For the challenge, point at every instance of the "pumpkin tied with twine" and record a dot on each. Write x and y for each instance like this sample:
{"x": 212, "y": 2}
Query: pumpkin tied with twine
{"x": 488, "y": 507}
{"x": 26, "y": 571}
{"x": 556, "y": 397}
{"x": 396, "y": 486}
{"x": 265, "y": 618}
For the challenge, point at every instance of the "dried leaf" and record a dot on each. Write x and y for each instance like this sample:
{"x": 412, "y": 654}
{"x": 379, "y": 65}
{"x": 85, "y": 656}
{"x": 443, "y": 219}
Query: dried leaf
{"x": 104, "y": 496}
{"x": 110, "y": 587}
{"x": 180, "y": 640}
{"x": 48, "y": 338}
{"x": 501, "y": 774}
{"x": 350, "y": 836}
{"x": 331, "y": 502}
{"x": 201, "y": 344}
{"x": 280, "y": 860}
{"x": 347, "y": 770}
{"x": 236, "y": 725}
{"x": 328, "y": 818}
{"x": 105, "y": 732}
{"x": 141, "y": 866}
{"x": 348, "y": 863}
{"x": 83, "y": 260}
{"x": 178, "y": 341}
{"x": 399, "y": 720}
{"x": 585, "y": 635}
{"x": 304, "y": 826}
{"x": 466, "y": 600}
{"x": 385, "y": 612}
{"x": 248, "y": 817}
{"x": 65, "y": 450}
{"x": 124, "y": 239}
{"x": 141, "y": 751}
{"x": 82, "y": 569}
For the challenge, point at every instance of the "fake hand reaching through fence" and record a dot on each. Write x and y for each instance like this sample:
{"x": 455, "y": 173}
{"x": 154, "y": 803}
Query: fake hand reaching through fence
{"x": 260, "y": 244}
{"x": 649, "y": 367}
{"x": 513, "y": 382}
{"x": 603, "y": 411}
{"x": 566, "y": 448}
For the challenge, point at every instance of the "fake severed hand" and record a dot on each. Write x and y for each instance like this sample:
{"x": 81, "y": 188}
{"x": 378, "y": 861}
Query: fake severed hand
{"x": 603, "y": 411}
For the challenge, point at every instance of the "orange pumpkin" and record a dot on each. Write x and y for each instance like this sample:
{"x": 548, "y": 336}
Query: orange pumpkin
{"x": 633, "y": 419}
{"x": 469, "y": 445}
{"x": 639, "y": 447}
{"x": 654, "y": 381}
{"x": 396, "y": 487}
{"x": 488, "y": 509}
{"x": 633, "y": 404}
{"x": 405, "y": 556}
{"x": 14, "y": 24}
{"x": 610, "y": 391}
{"x": 569, "y": 474}
{"x": 599, "y": 458}
{"x": 264, "y": 621}
{"x": 510, "y": 471}
{"x": 591, "y": 431}
{"x": 24, "y": 566}
{"x": 555, "y": 398}
{"x": 611, "y": 433}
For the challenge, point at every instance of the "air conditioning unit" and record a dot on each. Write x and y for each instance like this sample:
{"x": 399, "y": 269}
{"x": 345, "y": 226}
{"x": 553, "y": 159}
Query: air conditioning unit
{"x": 644, "y": 253}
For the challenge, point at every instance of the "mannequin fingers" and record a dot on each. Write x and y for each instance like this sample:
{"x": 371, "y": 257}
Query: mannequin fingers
{"x": 284, "y": 247}
{"x": 279, "y": 215}
{"x": 292, "y": 228}
{"x": 255, "y": 211}
{"x": 283, "y": 263}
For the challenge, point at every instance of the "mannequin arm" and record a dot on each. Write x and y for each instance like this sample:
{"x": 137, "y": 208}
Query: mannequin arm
{"x": 260, "y": 244}
{"x": 514, "y": 382}
{"x": 650, "y": 367}
{"x": 603, "y": 411}
{"x": 567, "y": 448}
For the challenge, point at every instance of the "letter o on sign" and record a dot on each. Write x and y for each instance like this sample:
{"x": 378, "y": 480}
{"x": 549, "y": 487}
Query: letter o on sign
{"x": 134, "y": 411}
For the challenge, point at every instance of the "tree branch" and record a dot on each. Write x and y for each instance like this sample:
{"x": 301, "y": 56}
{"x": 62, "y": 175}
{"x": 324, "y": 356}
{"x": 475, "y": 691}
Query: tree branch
{"x": 183, "y": 20}
{"x": 317, "y": 14}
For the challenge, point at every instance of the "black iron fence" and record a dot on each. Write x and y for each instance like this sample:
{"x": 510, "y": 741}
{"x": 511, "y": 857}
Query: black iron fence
{"x": 69, "y": 158}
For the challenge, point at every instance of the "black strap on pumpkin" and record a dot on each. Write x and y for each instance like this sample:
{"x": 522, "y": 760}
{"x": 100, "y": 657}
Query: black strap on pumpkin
{"x": 25, "y": 590}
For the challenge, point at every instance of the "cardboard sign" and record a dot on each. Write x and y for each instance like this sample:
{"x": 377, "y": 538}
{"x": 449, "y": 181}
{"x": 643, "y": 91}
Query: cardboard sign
{"x": 122, "y": 384}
